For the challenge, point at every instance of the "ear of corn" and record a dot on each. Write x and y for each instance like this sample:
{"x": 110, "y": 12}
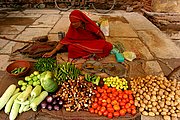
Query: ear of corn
{"x": 36, "y": 91}
{"x": 25, "y": 94}
{"x": 6, "y": 96}
{"x": 14, "y": 111}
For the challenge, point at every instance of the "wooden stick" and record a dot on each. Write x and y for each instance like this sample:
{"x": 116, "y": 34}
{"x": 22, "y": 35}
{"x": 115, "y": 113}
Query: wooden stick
{"x": 5, "y": 38}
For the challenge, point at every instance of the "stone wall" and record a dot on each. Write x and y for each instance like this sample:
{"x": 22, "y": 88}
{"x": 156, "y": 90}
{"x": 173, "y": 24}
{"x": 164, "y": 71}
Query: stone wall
{"x": 166, "y": 5}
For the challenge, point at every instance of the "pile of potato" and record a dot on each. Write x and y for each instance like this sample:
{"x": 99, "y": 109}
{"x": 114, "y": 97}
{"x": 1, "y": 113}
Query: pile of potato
{"x": 156, "y": 95}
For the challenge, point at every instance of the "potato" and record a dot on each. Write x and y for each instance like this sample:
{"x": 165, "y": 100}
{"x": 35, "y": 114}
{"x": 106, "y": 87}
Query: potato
{"x": 151, "y": 114}
{"x": 177, "y": 92}
{"x": 174, "y": 115}
{"x": 167, "y": 117}
{"x": 168, "y": 102}
{"x": 178, "y": 114}
{"x": 154, "y": 103}
{"x": 154, "y": 109}
{"x": 141, "y": 109}
{"x": 172, "y": 111}
{"x": 145, "y": 113}
{"x": 163, "y": 113}
{"x": 174, "y": 118}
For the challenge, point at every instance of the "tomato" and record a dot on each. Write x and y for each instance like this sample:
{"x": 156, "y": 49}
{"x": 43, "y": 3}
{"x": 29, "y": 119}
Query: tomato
{"x": 103, "y": 109}
{"x": 94, "y": 105}
{"x": 104, "y": 101}
{"x": 104, "y": 97}
{"x": 99, "y": 113}
{"x": 116, "y": 107}
{"x": 96, "y": 111}
{"x": 91, "y": 110}
{"x": 133, "y": 112}
{"x": 125, "y": 96}
{"x": 95, "y": 91}
{"x": 109, "y": 106}
{"x": 123, "y": 100}
{"x": 127, "y": 100}
{"x": 95, "y": 99}
{"x": 122, "y": 103}
{"x": 116, "y": 114}
{"x": 100, "y": 99}
{"x": 119, "y": 100}
{"x": 108, "y": 90}
{"x": 113, "y": 98}
{"x": 98, "y": 95}
{"x": 99, "y": 102}
{"x": 98, "y": 107}
{"x": 105, "y": 87}
{"x": 105, "y": 113}
{"x": 110, "y": 109}
{"x": 115, "y": 93}
{"x": 131, "y": 102}
{"x": 108, "y": 100}
{"x": 131, "y": 97}
{"x": 104, "y": 104}
{"x": 100, "y": 90}
{"x": 114, "y": 102}
{"x": 110, "y": 95}
{"x": 113, "y": 90}
{"x": 110, "y": 115}
{"x": 133, "y": 107}
{"x": 129, "y": 110}
{"x": 120, "y": 96}
{"x": 122, "y": 112}
{"x": 128, "y": 105}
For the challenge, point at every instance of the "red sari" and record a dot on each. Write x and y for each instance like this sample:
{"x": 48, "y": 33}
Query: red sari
{"x": 85, "y": 42}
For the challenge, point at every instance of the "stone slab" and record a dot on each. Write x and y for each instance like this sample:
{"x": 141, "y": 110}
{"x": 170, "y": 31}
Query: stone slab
{"x": 177, "y": 42}
{"x": 61, "y": 25}
{"x": 159, "y": 44}
{"x": 7, "y": 49}
{"x": 22, "y": 14}
{"x": 4, "y": 62}
{"x": 42, "y": 11}
{"x": 29, "y": 33}
{"x": 5, "y": 42}
{"x": 46, "y": 21}
{"x": 151, "y": 118}
{"x": 53, "y": 37}
{"x": 11, "y": 29}
{"x": 134, "y": 45}
{"x": 152, "y": 68}
{"x": 120, "y": 29}
{"x": 138, "y": 21}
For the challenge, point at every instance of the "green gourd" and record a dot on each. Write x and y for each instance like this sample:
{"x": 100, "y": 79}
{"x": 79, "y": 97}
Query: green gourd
{"x": 47, "y": 82}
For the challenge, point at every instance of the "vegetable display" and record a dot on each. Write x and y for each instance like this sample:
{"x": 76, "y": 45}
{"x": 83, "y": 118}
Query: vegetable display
{"x": 65, "y": 71}
{"x": 156, "y": 95}
{"x": 111, "y": 102}
{"x": 76, "y": 94}
{"x": 45, "y": 64}
{"x": 92, "y": 78}
{"x": 118, "y": 83}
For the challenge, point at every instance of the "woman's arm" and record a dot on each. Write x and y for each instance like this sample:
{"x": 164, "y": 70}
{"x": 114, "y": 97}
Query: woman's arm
{"x": 58, "y": 47}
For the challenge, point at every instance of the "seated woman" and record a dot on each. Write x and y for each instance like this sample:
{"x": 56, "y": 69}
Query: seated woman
{"x": 83, "y": 39}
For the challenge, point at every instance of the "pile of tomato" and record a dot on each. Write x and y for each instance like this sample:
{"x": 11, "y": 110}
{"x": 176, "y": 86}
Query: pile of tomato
{"x": 111, "y": 102}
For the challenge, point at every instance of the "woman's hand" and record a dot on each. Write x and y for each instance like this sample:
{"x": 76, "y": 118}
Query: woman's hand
{"x": 49, "y": 54}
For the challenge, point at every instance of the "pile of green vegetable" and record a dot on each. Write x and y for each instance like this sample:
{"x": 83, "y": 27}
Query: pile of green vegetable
{"x": 18, "y": 70}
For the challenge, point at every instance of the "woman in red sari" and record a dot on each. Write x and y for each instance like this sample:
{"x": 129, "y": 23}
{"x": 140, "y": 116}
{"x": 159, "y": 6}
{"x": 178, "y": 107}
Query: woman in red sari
{"x": 84, "y": 38}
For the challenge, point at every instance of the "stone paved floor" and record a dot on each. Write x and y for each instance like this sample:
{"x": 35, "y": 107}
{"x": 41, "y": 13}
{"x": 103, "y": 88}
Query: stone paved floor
{"x": 155, "y": 51}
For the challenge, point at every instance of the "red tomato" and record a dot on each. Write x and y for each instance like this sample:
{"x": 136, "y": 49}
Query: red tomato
{"x": 114, "y": 102}
{"x": 128, "y": 105}
{"x": 91, "y": 110}
{"x": 99, "y": 113}
{"x": 131, "y": 102}
{"x": 116, "y": 107}
{"x": 133, "y": 112}
{"x": 122, "y": 112}
{"x": 100, "y": 99}
{"x": 113, "y": 90}
{"x": 119, "y": 100}
{"x": 108, "y": 90}
{"x": 109, "y": 106}
{"x": 98, "y": 107}
{"x": 108, "y": 100}
{"x": 129, "y": 110}
{"x": 99, "y": 102}
{"x": 122, "y": 103}
{"x": 113, "y": 98}
{"x": 133, "y": 107}
{"x": 104, "y": 97}
{"x": 120, "y": 96}
{"x": 110, "y": 95}
{"x": 125, "y": 96}
{"x": 116, "y": 114}
{"x": 104, "y": 104}
{"x": 100, "y": 90}
{"x": 131, "y": 97}
{"x": 96, "y": 111}
{"x": 95, "y": 99}
{"x": 94, "y": 105}
{"x": 105, "y": 87}
{"x": 105, "y": 113}
{"x": 110, "y": 115}
{"x": 98, "y": 95}
{"x": 123, "y": 100}
{"x": 103, "y": 109}
{"x": 110, "y": 109}
{"x": 127, "y": 100}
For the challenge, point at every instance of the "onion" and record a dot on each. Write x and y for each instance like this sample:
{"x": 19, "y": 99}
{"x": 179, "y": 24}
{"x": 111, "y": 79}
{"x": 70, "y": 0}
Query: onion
{"x": 43, "y": 104}
{"x": 49, "y": 107}
{"x": 56, "y": 107}
{"x": 49, "y": 99}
